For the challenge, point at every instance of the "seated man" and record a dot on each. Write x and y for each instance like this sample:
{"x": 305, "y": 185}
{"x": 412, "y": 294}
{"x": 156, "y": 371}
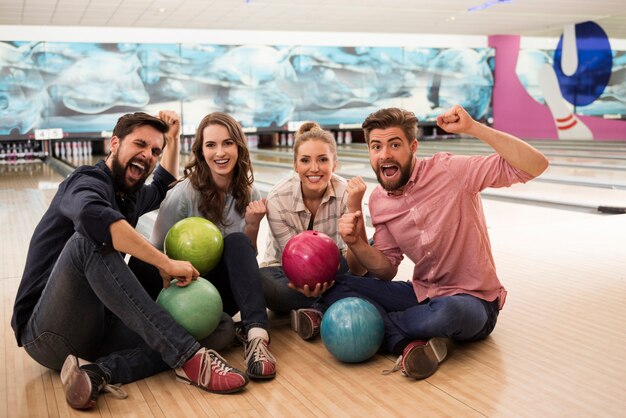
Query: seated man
{"x": 430, "y": 210}
{"x": 78, "y": 299}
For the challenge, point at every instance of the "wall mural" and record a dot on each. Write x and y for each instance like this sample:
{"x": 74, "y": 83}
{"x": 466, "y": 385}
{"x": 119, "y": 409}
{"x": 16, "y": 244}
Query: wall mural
{"x": 581, "y": 76}
{"x": 85, "y": 87}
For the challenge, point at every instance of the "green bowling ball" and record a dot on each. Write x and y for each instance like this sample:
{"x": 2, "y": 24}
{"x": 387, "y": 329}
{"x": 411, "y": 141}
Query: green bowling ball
{"x": 196, "y": 240}
{"x": 196, "y": 307}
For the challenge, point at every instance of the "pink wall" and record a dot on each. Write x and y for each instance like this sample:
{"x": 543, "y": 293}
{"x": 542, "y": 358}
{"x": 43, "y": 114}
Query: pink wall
{"x": 516, "y": 112}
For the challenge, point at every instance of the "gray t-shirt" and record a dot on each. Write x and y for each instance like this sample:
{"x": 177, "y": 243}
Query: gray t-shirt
{"x": 182, "y": 202}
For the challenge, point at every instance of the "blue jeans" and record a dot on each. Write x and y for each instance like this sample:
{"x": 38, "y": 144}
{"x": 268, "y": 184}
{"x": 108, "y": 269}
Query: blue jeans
{"x": 461, "y": 317}
{"x": 94, "y": 307}
{"x": 280, "y": 297}
{"x": 236, "y": 277}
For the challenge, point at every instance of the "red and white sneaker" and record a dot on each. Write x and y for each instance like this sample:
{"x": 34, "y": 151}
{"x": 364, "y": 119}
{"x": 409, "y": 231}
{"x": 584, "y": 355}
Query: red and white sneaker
{"x": 420, "y": 359}
{"x": 209, "y": 371}
{"x": 306, "y": 322}
{"x": 261, "y": 363}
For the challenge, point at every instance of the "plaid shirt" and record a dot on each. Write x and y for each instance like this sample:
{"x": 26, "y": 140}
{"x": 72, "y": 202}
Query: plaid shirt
{"x": 287, "y": 215}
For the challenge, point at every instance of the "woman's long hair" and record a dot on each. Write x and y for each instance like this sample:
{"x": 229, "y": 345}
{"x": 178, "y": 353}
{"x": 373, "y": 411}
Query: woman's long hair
{"x": 199, "y": 174}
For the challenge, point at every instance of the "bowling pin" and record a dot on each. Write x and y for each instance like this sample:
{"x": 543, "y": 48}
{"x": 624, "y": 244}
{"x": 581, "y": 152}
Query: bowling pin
{"x": 28, "y": 151}
{"x": 13, "y": 154}
{"x": 340, "y": 139}
{"x": 569, "y": 57}
{"x": 567, "y": 124}
{"x": 185, "y": 147}
{"x": 253, "y": 141}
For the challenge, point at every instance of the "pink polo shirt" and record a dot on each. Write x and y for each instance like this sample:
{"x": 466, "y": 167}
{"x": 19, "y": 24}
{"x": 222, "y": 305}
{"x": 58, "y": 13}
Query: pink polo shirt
{"x": 438, "y": 222}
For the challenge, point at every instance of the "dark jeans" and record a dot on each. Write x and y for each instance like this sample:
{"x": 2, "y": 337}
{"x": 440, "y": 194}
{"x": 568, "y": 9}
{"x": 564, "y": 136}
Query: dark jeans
{"x": 461, "y": 317}
{"x": 236, "y": 277}
{"x": 280, "y": 297}
{"x": 94, "y": 307}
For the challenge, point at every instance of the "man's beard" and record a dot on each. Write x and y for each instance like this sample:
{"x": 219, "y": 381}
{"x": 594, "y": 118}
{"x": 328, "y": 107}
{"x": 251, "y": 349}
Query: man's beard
{"x": 118, "y": 172}
{"x": 391, "y": 186}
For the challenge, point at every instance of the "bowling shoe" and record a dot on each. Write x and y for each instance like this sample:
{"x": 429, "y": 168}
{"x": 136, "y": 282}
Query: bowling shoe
{"x": 306, "y": 322}
{"x": 209, "y": 371}
{"x": 261, "y": 363}
{"x": 240, "y": 336}
{"x": 83, "y": 381}
{"x": 420, "y": 358}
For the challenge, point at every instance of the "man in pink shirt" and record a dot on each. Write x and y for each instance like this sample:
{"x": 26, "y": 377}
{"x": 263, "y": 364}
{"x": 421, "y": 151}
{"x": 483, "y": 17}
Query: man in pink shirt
{"x": 430, "y": 210}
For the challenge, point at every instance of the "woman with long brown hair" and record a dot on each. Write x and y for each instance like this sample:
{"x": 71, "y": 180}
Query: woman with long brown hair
{"x": 218, "y": 185}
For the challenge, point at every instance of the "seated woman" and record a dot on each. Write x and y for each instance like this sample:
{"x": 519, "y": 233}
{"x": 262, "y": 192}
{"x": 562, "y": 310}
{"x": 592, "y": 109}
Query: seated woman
{"x": 312, "y": 199}
{"x": 218, "y": 185}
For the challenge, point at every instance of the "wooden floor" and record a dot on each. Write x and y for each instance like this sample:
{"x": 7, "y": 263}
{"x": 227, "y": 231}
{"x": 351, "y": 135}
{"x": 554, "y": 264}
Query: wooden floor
{"x": 559, "y": 349}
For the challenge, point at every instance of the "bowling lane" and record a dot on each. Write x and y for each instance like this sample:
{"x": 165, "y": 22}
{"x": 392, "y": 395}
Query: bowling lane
{"x": 580, "y": 187}
{"x": 598, "y": 175}
{"x": 34, "y": 174}
{"x": 544, "y": 145}
{"x": 37, "y": 182}
{"x": 590, "y": 154}
{"x": 593, "y": 177}
{"x": 26, "y": 190}
{"x": 537, "y": 192}
{"x": 83, "y": 160}
{"x": 608, "y": 160}
{"x": 602, "y": 175}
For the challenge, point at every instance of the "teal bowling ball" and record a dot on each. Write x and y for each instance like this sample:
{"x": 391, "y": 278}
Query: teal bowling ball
{"x": 352, "y": 330}
{"x": 196, "y": 240}
{"x": 196, "y": 307}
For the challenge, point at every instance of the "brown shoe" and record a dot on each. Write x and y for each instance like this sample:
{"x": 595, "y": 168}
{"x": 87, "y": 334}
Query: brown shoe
{"x": 83, "y": 381}
{"x": 420, "y": 359}
{"x": 306, "y": 322}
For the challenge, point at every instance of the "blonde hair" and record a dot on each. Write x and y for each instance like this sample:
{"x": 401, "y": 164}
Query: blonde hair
{"x": 312, "y": 131}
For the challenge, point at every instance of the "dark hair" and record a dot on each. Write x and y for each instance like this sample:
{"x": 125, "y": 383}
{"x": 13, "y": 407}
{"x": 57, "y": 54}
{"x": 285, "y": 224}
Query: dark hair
{"x": 309, "y": 131}
{"x": 389, "y": 118}
{"x": 197, "y": 170}
{"x": 129, "y": 122}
